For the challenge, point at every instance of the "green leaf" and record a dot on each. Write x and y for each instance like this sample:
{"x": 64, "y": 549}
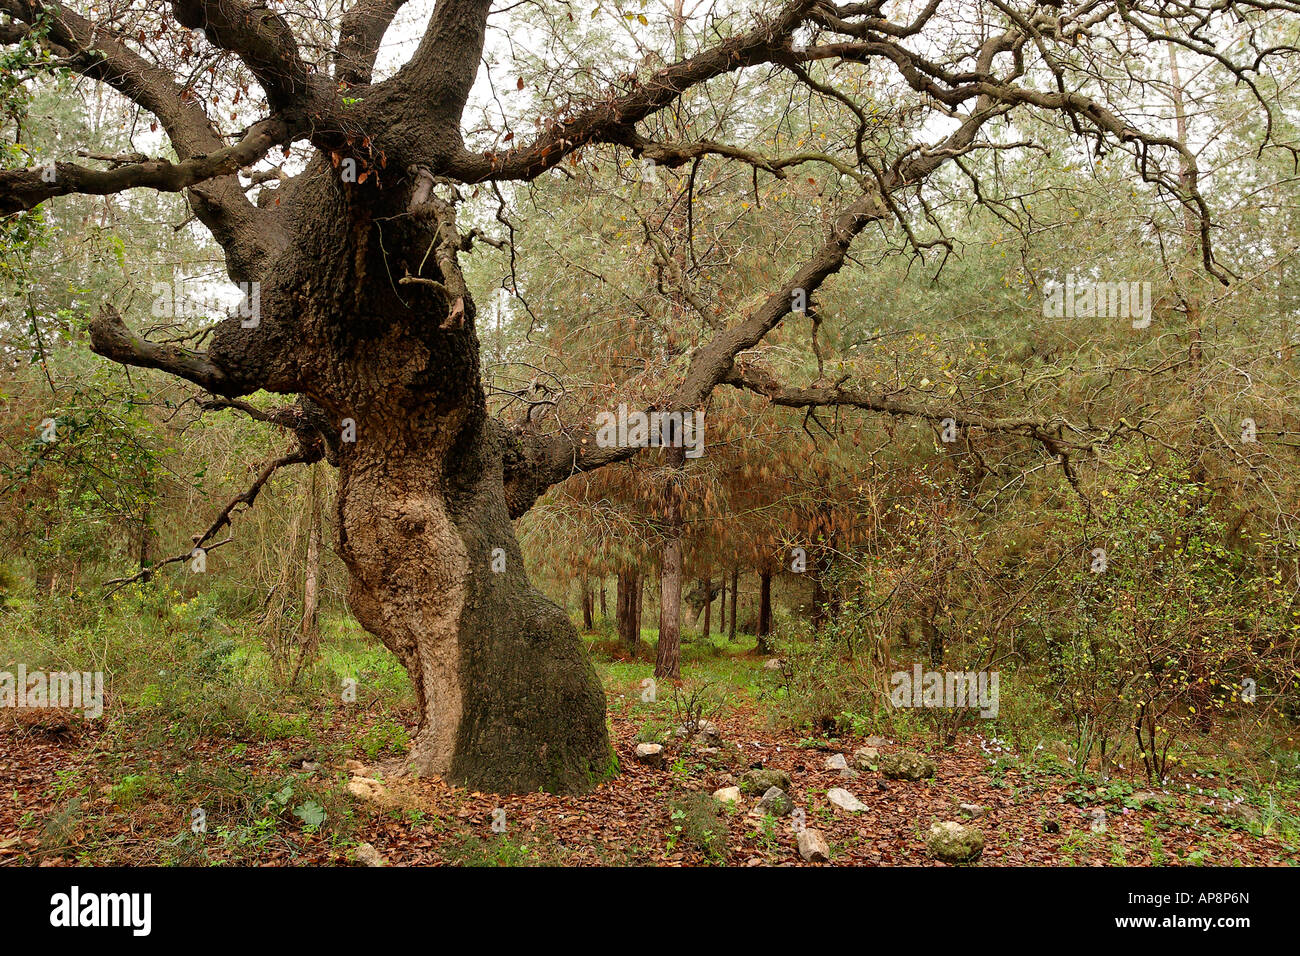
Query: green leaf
{"x": 311, "y": 813}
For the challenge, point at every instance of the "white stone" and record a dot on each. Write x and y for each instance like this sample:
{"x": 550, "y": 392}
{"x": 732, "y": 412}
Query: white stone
{"x": 650, "y": 754}
{"x": 367, "y": 854}
{"x": 845, "y": 800}
{"x": 812, "y": 846}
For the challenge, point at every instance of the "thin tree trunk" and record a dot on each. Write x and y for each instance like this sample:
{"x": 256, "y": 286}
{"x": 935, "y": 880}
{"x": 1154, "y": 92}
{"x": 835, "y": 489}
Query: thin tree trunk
{"x": 668, "y": 659}
{"x": 629, "y": 586}
{"x": 735, "y": 591}
{"x": 708, "y": 608}
{"x": 604, "y": 614}
{"x": 148, "y": 538}
{"x": 764, "y": 612}
{"x": 640, "y": 595}
{"x": 308, "y": 629}
{"x": 818, "y": 598}
{"x": 586, "y": 604}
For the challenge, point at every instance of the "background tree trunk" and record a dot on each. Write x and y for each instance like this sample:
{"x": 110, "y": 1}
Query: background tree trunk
{"x": 708, "y": 606}
{"x": 764, "y": 612}
{"x": 735, "y": 591}
{"x": 640, "y": 595}
{"x": 308, "y": 630}
{"x": 818, "y": 616}
{"x": 629, "y": 587}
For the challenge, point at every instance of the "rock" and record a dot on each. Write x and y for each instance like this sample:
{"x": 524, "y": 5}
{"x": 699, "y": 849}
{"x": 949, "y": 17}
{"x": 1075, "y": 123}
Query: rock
{"x": 906, "y": 765}
{"x": 369, "y": 856}
{"x": 773, "y": 664}
{"x": 704, "y": 734}
{"x": 845, "y": 800}
{"x": 652, "y": 755}
{"x": 370, "y": 790}
{"x": 727, "y": 795}
{"x": 953, "y": 843}
{"x": 812, "y": 846}
{"x": 760, "y": 781}
{"x": 776, "y": 802}
{"x": 836, "y": 762}
{"x": 310, "y": 766}
{"x": 876, "y": 742}
{"x": 864, "y": 758}
{"x": 973, "y": 810}
{"x": 354, "y": 767}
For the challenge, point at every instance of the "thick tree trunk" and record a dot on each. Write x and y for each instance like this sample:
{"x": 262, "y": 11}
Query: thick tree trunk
{"x": 764, "y": 612}
{"x": 508, "y": 700}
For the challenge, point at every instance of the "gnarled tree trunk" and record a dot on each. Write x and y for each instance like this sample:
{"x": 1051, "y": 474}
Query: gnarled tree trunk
{"x": 508, "y": 699}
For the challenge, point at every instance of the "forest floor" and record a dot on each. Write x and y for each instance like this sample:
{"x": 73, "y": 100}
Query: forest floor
{"x": 79, "y": 792}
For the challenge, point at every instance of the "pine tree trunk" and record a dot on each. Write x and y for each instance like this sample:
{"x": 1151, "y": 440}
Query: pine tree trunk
{"x": 818, "y": 615}
{"x": 708, "y": 607}
{"x": 629, "y": 586}
{"x": 764, "y": 612}
{"x": 640, "y": 595}
{"x": 735, "y": 591}
{"x": 586, "y": 605}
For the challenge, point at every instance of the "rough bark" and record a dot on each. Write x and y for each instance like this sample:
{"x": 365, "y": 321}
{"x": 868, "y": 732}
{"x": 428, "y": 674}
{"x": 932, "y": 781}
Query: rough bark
{"x": 508, "y": 699}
